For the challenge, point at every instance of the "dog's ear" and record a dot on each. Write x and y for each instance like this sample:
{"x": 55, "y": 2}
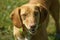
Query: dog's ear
{"x": 16, "y": 18}
{"x": 43, "y": 13}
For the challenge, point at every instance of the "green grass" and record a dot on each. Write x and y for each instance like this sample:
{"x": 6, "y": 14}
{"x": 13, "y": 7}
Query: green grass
{"x": 51, "y": 29}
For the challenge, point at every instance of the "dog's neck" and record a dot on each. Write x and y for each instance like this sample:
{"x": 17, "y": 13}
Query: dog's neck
{"x": 38, "y": 36}
{"x": 37, "y": 1}
{"x": 40, "y": 2}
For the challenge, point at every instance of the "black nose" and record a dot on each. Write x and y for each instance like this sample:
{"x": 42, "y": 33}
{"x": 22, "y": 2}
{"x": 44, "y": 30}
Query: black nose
{"x": 33, "y": 26}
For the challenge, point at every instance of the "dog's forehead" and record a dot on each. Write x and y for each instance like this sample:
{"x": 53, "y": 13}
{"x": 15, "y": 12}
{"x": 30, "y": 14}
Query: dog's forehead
{"x": 26, "y": 9}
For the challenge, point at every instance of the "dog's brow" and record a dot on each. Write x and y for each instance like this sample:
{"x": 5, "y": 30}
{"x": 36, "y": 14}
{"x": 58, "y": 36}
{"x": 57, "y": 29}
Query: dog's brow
{"x": 24, "y": 14}
{"x": 36, "y": 11}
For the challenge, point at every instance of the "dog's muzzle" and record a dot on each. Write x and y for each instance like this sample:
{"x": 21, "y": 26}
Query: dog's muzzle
{"x": 33, "y": 29}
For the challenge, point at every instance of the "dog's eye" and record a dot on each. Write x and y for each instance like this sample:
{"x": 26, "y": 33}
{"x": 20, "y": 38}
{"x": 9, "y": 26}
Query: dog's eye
{"x": 35, "y": 13}
{"x": 24, "y": 16}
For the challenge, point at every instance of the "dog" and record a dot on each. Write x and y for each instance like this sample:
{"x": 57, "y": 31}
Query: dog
{"x": 33, "y": 18}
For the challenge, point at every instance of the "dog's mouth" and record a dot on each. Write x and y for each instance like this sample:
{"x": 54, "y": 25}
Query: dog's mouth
{"x": 33, "y": 31}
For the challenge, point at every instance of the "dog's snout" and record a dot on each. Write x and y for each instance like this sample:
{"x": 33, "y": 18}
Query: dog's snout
{"x": 33, "y": 26}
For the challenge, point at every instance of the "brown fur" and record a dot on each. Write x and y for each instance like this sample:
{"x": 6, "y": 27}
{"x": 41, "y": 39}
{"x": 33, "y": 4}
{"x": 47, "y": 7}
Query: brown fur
{"x": 51, "y": 6}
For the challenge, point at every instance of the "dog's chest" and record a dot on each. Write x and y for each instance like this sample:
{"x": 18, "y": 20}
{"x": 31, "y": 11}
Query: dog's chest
{"x": 27, "y": 37}
{"x": 22, "y": 38}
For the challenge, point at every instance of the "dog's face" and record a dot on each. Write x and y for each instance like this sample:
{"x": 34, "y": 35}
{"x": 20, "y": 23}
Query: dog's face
{"x": 31, "y": 16}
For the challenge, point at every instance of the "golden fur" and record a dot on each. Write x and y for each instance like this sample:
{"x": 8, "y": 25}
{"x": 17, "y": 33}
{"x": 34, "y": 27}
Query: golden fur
{"x": 20, "y": 19}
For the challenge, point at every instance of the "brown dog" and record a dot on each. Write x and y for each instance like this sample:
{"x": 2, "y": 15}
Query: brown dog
{"x": 33, "y": 17}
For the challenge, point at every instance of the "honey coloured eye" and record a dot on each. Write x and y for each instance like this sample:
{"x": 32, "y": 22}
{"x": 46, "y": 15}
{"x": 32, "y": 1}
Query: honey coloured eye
{"x": 36, "y": 13}
{"x": 24, "y": 16}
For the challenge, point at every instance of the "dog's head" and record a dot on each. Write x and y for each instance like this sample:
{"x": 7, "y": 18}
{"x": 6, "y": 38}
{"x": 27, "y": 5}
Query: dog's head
{"x": 30, "y": 16}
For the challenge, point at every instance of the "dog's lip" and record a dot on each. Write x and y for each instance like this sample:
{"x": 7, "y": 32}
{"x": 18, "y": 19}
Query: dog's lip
{"x": 32, "y": 32}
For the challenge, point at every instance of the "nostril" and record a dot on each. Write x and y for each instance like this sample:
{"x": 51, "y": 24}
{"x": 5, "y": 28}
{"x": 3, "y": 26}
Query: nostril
{"x": 33, "y": 26}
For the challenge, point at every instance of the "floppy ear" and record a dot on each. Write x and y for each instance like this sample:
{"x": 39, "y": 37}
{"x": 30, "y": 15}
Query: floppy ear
{"x": 16, "y": 18}
{"x": 43, "y": 13}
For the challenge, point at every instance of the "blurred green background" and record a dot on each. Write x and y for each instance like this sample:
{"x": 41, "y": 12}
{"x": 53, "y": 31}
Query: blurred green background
{"x": 6, "y": 27}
